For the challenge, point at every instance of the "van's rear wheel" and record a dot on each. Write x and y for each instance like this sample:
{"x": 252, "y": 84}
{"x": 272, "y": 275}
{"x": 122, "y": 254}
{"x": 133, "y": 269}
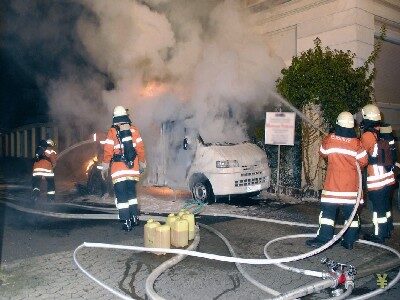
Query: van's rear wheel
{"x": 202, "y": 191}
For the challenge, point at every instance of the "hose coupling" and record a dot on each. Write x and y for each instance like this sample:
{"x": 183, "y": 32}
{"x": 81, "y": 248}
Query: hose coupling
{"x": 341, "y": 273}
{"x": 349, "y": 284}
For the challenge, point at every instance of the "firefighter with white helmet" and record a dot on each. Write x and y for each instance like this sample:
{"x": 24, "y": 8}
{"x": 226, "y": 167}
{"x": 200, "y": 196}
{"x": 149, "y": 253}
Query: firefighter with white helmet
{"x": 342, "y": 149}
{"x": 124, "y": 155}
{"x": 43, "y": 167}
{"x": 379, "y": 178}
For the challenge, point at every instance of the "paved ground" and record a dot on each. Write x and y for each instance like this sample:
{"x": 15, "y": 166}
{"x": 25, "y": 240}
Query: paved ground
{"x": 37, "y": 260}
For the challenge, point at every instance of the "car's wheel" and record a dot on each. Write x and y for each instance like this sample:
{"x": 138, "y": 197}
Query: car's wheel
{"x": 202, "y": 191}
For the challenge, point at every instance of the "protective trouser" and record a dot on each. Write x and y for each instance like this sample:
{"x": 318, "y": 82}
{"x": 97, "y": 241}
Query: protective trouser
{"x": 51, "y": 187}
{"x": 327, "y": 222}
{"x": 126, "y": 201}
{"x": 388, "y": 201}
{"x": 379, "y": 209}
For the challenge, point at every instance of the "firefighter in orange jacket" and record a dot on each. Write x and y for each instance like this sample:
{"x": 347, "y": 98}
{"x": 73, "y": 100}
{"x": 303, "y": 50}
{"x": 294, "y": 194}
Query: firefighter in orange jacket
{"x": 379, "y": 179}
{"x": 45, "y": 160}
{"x": 342, "y": 149}
{"x": 124, "y": 152}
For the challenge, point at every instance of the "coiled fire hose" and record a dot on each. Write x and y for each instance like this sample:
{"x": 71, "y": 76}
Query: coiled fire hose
{"x": 145, "y": 217}
{"x": 226, "y": 258}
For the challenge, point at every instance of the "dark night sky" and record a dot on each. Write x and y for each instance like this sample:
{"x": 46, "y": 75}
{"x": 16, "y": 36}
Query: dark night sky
{"x": 21, "y": 99}
{"x": 37, "y": 39}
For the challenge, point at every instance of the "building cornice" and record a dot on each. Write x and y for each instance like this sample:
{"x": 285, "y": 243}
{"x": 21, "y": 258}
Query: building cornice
{"x": 275, "y": 14}
{"x": 393, "y": 4}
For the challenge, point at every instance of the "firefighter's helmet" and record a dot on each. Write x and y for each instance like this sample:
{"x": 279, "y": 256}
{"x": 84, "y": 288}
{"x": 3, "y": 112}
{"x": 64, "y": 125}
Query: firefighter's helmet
{"x": 120, "y": 111}
{"x": 371, "y": 112}
{"x": 345, "y": 119}
{"x": 50, "y": 143}
{"x": 385, "y": 128}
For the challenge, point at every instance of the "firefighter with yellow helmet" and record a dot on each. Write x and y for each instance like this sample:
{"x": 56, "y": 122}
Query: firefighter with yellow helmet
{"x": 379, "y": 177}
{"x": 43, "y": 167}
{"x": 342, "y": 149}
{"x": 124, "y": 155}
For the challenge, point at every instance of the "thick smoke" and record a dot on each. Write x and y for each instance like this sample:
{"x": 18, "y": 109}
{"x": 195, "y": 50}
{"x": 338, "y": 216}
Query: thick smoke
{"x": 206, "y": 56}
{"x": 195, "y": 62}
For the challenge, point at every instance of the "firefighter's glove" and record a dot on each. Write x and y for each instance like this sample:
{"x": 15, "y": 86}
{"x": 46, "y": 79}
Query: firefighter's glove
{"x": 104, "y": 170}
{"x": 142, "y": 167}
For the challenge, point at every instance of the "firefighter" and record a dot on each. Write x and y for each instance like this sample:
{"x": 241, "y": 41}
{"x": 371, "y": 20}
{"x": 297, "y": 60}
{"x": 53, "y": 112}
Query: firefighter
{"x": 386, "y": 133}
{"x": 342, "y": 149}
{"x": 124, "y": 154}
{"x": 378, "y": 177}
{"x": 45, "y": 161}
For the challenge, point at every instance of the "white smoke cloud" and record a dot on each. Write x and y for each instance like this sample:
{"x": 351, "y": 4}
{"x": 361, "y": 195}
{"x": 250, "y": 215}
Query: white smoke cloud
{"x": 208, "y": 56}
{"x": 207, "y": 64}
{"x": 205, "y": 55}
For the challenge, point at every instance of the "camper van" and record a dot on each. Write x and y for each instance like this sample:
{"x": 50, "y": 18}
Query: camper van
{"x": 183, "y": 160}
{"x": 208, "y": 170}
{"x": 225, "y": 170}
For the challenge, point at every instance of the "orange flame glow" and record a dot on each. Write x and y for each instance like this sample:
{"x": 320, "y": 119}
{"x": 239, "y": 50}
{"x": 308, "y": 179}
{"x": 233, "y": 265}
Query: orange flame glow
{"x": 153, "y": 89}
{"x": 90, "y": 164}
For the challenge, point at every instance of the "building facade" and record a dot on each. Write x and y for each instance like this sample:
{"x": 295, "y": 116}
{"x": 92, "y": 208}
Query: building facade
{"x": 290, "y": 27}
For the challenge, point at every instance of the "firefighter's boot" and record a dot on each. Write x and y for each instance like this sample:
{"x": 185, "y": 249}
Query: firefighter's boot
{"x": 347, "y": 245}
{"x": 374, "y": 238}
{"x": 135, "y": 220}
{"x": 127, "y": 226}
{"x": 51, "y": 196}
{"x": 35, "y": 197}
{"x": 315, "y": 243}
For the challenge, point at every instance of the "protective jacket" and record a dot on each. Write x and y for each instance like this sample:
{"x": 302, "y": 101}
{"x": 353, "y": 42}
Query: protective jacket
{"x": 44, "y": 166}
{"x": 113, "y": 147}
{"x": 378, "y": 177}
{"x": 341, "y": 183}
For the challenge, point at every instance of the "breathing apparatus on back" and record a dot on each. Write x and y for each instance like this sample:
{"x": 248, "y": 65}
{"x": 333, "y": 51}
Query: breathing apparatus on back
{"x": 122, "y": 125}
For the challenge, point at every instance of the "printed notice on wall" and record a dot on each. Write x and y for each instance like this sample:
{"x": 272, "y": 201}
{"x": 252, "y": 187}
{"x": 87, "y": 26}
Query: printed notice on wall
{"x": 279, "y": 128}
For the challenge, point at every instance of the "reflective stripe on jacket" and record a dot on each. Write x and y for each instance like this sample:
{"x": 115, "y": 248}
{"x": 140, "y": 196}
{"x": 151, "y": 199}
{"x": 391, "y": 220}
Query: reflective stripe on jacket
{"x": 377, "y": 177}
{"x": 112, "y": 146}
{"x": 341, "y": 182}
{"x": 44, "y": 167}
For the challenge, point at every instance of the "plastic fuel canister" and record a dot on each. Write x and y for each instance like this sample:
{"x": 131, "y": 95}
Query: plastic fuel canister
{"x": 180, "y": 233}
{"x": 189, "y": 217}
{"x": 171, "y": 219}
{"x": 162, "y": 237}
{"x": 149, "y": 232}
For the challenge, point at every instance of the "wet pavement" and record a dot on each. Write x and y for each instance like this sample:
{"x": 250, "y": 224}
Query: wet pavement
{"x": 37, "y": 260}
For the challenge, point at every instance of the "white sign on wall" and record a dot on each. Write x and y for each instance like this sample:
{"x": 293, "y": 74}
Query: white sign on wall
{"x": 279, "y": 128}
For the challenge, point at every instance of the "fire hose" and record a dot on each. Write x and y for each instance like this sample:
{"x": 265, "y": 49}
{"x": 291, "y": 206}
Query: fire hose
{"x": 329, "y": 282}
{"x": 182, "y": 253}
{"x": 144, "y": 217}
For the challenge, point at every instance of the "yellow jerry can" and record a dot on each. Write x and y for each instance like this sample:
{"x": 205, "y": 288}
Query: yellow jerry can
{"x": 171, "y": 219}
{"x": 189, "y": 217}
{"x": 180, "y": 233}
{"x": 149, "y": 233}
{"x": 162, "y": 237}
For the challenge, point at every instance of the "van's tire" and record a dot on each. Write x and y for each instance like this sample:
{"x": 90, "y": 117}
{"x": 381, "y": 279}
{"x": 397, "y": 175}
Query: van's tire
{"x": 202, "y": 191}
